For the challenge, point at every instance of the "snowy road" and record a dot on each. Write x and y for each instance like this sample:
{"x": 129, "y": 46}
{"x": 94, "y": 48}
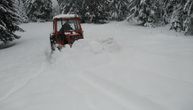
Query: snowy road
{"x": 117, "y": 66}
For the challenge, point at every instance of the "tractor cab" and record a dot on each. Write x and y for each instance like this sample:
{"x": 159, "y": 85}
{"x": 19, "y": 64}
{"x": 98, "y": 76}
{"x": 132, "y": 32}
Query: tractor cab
{"x": 66, "y": 30}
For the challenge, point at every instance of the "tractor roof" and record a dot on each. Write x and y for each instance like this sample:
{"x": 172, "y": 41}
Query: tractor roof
{"x": 66, "y": 16}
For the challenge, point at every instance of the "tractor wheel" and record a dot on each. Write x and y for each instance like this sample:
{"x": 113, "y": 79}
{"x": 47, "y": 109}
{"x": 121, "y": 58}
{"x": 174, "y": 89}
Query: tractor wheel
{"x": 52, "y": 43}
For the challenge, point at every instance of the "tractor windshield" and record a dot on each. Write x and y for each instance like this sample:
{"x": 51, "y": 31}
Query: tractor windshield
{"x": 67, "y": 25}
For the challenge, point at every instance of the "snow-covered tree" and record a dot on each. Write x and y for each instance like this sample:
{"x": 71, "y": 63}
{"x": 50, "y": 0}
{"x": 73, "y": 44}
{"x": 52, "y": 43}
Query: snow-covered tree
{"x": 176, "y": 13}
{"x": 181, "y": 16}
{"x": 39, "y": 9}
{"x": 100, "y": 10}
{"x": 21, "y": 10}
{"x": 8, "y": 21}
{"x": 90, "y": 10}
{"x": 147, "y": 12}
{"x": 188, "y": 17}
{"x": 55, "y": 8}
{"x": 65, "y": 5}
{"x": 118, "y": 9}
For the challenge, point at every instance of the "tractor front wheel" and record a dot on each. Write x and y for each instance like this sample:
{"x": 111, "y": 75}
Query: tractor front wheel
{"x": 52, "y": 43}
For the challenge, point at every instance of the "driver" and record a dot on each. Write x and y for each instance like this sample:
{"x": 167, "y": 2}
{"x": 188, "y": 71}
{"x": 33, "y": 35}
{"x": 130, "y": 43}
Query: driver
{"x": 65, "y": 27}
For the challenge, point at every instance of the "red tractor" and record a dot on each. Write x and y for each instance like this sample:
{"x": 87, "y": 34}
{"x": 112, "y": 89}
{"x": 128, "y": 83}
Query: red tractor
{"x": 66, "y": 30}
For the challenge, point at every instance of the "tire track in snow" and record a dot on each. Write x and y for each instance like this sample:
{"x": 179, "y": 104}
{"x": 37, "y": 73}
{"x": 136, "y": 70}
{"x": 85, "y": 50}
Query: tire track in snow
{"x": 25, "y": 82}
{"x": 124, "y": 97}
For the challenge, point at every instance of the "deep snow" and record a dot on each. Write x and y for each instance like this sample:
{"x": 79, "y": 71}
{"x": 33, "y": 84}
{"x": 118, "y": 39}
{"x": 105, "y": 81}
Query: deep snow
{"x": 118, "y": 66}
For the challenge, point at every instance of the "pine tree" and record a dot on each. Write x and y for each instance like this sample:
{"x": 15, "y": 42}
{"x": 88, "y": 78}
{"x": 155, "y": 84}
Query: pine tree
{"x": 177, "y": 14}
{"x": 55, "y": 8}
{"x": 8, "y": 21}
{"x": 182, "y": 19}
{"x": 188, "y": 22}
{"x": 118, "y": 9}
{"x": 39, "y": 9}
{"x": 66, "y": 5}
{"x": 90, "y": 10}
{"x": 99, "y": 9}
{"x": 21, "y": 10}
{"x": 147, "y": 12}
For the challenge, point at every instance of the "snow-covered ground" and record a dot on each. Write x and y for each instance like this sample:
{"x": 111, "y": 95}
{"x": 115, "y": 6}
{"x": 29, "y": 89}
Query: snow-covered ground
{"x": 118, "y": 66}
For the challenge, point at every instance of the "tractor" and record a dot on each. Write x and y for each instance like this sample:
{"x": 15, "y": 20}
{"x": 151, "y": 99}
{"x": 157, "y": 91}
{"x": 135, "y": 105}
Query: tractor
{"x": 66, "y": 30}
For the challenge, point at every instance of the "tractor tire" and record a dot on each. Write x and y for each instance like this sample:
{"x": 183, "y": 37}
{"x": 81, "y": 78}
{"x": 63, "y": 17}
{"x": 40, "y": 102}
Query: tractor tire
{"x": 52, "y": 43}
